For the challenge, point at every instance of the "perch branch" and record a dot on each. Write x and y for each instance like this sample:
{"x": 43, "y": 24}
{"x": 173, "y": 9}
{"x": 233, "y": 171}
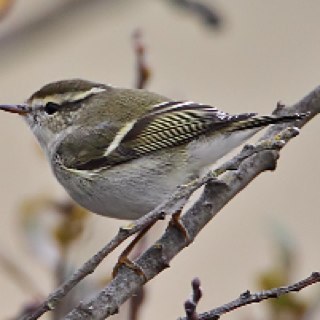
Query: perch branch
{"x": 248, "y": 298}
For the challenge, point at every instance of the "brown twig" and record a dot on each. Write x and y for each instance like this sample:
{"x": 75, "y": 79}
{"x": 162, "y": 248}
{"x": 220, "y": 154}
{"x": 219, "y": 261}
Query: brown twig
{"x": 143, "y": 71}
{"x": 247, "y": 297}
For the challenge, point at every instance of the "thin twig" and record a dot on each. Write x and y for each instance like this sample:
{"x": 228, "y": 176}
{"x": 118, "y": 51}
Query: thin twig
{"x": 143, "y": 72}
{"x": 190, "y": 305}
{"x": 247, "y": 297}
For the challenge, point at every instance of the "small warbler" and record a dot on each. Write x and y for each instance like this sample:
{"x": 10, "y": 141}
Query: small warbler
{"x": 121, "y": 152}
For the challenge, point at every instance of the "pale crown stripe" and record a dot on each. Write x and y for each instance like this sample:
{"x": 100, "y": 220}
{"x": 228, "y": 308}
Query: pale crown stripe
{"x": 67, "y": 97}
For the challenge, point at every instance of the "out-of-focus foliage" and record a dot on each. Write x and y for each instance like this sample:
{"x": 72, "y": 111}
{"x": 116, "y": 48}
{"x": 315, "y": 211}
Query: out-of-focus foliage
{"x": 281, "y": 273}
{"x": 5, "y": 6}
{"x": 209, "y": 15}
{"x": 50, "y": 227}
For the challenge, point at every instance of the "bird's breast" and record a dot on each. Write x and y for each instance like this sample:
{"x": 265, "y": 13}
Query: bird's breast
{"x": 126, "y": 191}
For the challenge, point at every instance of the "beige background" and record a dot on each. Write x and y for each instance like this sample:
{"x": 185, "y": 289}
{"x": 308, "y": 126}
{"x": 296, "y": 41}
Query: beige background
{"x": 267, "y": 51}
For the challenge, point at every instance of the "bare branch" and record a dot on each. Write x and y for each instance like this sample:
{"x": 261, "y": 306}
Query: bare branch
{"x": 249, "y": 298}
{"x": 217, "y": 193}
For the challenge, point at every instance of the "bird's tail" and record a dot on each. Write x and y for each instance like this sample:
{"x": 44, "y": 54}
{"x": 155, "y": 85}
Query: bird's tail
{"x": 262, "y": 121}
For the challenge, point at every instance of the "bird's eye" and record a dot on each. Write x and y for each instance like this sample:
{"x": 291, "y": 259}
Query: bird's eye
{"x": 51, "y": 108}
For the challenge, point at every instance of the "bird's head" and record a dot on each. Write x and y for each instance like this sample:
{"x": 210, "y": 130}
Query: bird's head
{"x": 57, "y": 107}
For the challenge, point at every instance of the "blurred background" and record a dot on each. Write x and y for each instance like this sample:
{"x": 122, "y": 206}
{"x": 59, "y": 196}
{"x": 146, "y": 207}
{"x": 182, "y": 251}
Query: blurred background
{"x": 236, "y": 55}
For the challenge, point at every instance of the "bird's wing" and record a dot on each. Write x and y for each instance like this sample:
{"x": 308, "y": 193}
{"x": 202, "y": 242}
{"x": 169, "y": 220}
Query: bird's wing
{"x": 165, "y": 125}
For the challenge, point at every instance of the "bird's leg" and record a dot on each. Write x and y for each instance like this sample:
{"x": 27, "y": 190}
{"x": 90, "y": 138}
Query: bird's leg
{"x": 123, "y": 258}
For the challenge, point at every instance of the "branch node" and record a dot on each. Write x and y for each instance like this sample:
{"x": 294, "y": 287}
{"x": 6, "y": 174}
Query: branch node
{"x": 248, "y": 147}
{"x": 87, "y": 309}
{"x": 245, "y": 295}
{"x": 280, "y": 106}
{"x": 208, "y": 204}
{"x": 51, "y": 305}
{"x": 217, "y": 183}
{"x": 164, "y": 260}
{"x": 189, "y": 307}
{"x": 125, "y": 229}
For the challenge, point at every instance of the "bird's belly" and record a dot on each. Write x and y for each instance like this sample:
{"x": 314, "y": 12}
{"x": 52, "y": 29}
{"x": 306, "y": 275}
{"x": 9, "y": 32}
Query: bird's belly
{"x": 120, "y": 200}
{"x": 130, "y": 190}
{"x": 123, "y": 192}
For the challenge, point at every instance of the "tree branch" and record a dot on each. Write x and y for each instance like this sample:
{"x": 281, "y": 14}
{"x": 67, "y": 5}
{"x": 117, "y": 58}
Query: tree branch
{"x": 248, "y": 298}
{"x": 233, "y": 177}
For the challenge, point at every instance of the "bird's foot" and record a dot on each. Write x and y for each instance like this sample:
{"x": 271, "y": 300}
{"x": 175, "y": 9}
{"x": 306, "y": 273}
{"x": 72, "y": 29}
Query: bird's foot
{"x": 176, "y": 222}
{"x": 125, "y": 261}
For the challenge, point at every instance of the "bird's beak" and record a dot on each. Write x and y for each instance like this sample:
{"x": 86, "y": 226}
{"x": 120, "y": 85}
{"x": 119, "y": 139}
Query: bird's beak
{"x": 21, "y": 109}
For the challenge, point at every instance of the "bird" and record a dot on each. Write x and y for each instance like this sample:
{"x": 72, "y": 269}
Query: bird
{"x": 121, "y": 152}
